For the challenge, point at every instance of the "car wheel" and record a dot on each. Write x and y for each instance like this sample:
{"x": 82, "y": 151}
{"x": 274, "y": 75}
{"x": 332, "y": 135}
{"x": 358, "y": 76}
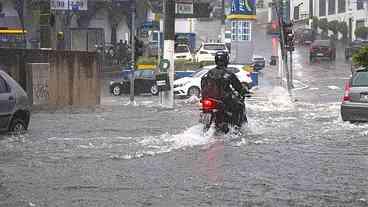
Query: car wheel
{"x": 17, "y": 125}
{"x": 116, "y": 90}
{"x": 194, "y": 91}
{"x": 154, "y": 90}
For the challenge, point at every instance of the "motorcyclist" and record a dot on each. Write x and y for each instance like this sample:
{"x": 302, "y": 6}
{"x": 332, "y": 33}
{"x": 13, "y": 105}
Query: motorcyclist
{"x": 228, "y": 83}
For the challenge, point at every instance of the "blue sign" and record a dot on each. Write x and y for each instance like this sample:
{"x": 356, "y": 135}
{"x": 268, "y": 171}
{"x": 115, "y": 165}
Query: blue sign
{"x": 245, "y": 7}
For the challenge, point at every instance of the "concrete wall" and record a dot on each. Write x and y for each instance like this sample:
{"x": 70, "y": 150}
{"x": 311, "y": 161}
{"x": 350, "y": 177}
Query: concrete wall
{"x": 58, "y": 78}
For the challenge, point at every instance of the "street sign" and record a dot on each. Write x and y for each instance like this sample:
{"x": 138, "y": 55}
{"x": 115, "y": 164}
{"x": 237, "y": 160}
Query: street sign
{"x": 184, "y": 7}
{"x": 74, "y": 5}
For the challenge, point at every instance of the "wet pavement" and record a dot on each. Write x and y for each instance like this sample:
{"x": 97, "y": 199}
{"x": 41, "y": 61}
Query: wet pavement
{"x": 292, "y": 153}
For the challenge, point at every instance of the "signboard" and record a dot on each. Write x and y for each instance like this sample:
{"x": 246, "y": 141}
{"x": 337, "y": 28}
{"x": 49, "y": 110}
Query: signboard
{"x": 184, "y": 7}
{"x": 69, "y": 5}
{"x": 240, "y": 9}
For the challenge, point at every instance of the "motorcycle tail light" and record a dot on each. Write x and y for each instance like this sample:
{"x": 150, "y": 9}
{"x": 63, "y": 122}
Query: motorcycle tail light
{"x": 208, "y": 104}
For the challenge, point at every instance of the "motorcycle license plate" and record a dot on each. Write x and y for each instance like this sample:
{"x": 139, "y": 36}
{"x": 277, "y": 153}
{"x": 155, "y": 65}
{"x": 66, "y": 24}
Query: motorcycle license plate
{"x": 205, "y": 118}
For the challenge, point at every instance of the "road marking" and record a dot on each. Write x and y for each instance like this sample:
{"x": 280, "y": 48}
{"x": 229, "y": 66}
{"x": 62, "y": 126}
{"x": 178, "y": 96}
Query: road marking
{"x": 333, "y": 87}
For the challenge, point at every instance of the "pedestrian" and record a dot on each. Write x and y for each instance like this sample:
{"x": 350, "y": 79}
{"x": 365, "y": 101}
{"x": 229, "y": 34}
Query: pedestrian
{"x": 122, "y": 52}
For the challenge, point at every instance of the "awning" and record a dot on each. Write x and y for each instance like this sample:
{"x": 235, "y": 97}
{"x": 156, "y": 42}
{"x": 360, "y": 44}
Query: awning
{"x": 12, "y": 31}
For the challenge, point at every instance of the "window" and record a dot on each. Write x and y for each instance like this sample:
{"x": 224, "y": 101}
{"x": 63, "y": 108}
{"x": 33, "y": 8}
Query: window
{"x": 331, "y": 7}
{"x": 360, "y": 4}
{"x": 3, "y": 86}
{"x": 342, "y": 6}
{"x": 241, "y": 31}
{"x": 360, "y": 23}
{"x": 181, "y": 49}
{"x": 214, "y": 47}
{"x": 322, "y": 8}
{"x": 199, "y": 73}
{"x": 360, "y": 79}
{"x": 147, "y": 74}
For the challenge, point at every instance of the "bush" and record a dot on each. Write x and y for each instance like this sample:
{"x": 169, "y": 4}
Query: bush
{"x": 323, "y": 25}
{"x": 360, "y": 58}
{"x": 361, "y": 32}
{"x": 146, "y": 61}
{"x": 183, "y": 65}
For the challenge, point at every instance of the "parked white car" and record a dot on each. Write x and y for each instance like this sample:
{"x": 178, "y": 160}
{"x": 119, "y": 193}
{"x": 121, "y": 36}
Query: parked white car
{"x": 189, "y": 86}
{"x": 182, "y": 52}
{"x": 207, "y": 51}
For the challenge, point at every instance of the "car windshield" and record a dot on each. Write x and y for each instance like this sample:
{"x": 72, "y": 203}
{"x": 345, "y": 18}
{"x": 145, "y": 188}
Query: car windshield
{"x": 360, "y": 79}
{"x": 259, "y": 58}
{"x": 181, "y": 49}
{"x": 199, "y": 73}
{"x": 215, "y": 47}
{"x": 146, "y": 74}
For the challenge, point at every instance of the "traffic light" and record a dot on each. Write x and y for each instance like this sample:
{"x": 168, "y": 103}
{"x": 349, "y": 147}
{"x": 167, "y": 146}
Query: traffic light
{"x": 288, "y": 36}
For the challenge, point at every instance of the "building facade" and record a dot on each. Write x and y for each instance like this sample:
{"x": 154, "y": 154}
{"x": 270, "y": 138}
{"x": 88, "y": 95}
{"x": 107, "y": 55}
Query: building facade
{"x": 353, "y": 12}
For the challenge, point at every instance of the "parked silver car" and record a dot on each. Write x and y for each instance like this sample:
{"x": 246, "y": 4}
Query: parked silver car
{"x": 354, "y": 106}
{"x": 14, "y": 105}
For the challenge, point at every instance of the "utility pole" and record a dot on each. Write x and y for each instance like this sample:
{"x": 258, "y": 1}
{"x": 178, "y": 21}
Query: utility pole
{"x": 132, "y": 77}
{"x": 291, "y": 69}
{"x": 280, "y": 16}
{"x": 169, "y": 46}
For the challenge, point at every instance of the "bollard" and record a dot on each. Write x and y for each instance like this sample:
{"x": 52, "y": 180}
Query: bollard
{"x": 254, "y": 77}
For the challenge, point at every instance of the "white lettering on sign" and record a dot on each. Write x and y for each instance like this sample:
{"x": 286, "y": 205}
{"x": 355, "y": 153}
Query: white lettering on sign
{"x": 69, "y": 5}
{"x": 161, "y": 83}
{"x": 184, "y": 8}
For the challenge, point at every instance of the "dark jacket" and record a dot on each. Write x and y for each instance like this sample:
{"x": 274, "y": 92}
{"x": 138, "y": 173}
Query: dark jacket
{"x": 225, "y": 79}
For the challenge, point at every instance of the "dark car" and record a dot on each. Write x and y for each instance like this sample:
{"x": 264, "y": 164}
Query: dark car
{"x": 307, "y": 36}
{"x": 145, "y": 82}
{"x": 322, "y": 49}
{"x": 354, "y": 106}
{"x": 259, "y": 62}
{"x": 353, "y": 47}
{"x": 14, "y": 105}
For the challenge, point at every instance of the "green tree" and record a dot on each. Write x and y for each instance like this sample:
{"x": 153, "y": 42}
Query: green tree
{"x": 323, "y": 25}
{"x": 343, "y": 29}
{"x": 360, "y": 58}
{"x": 315, "y": 23}
{"x": 361, "y": 32}
{"x": 334, "y": 27}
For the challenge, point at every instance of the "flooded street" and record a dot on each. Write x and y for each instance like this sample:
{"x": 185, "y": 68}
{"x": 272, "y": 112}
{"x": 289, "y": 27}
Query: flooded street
{"x": 291, "y": 154}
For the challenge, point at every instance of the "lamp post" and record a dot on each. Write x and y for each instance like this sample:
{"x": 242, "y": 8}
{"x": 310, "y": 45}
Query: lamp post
{"x": 132, "y": 78}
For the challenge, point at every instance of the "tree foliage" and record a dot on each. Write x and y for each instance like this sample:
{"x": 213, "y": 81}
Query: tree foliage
{"x": 361, "y": 32}
{"x": 343, "y": 29}
{"x": 334, "y": 26}
{"x": 315, "y": 21}
{"x": 360, "y": 58}
{"x": 323, "y": 24}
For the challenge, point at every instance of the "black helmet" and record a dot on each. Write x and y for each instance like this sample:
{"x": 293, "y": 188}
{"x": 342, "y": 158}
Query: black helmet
{"x": 222, "y": 59}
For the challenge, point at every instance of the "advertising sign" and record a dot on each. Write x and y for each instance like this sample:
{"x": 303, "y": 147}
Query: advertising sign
{"x": 184, "y": 7}
{"x": 240, "y": 9}
{"x": 69, "y": 5}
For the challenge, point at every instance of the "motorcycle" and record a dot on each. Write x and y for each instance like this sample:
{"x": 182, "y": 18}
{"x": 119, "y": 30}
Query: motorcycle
{"x": 214, "y": 111}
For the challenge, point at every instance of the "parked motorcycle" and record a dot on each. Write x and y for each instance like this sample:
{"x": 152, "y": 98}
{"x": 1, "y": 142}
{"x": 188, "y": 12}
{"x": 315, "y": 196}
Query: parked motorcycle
{"x": 215, "y": 112}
